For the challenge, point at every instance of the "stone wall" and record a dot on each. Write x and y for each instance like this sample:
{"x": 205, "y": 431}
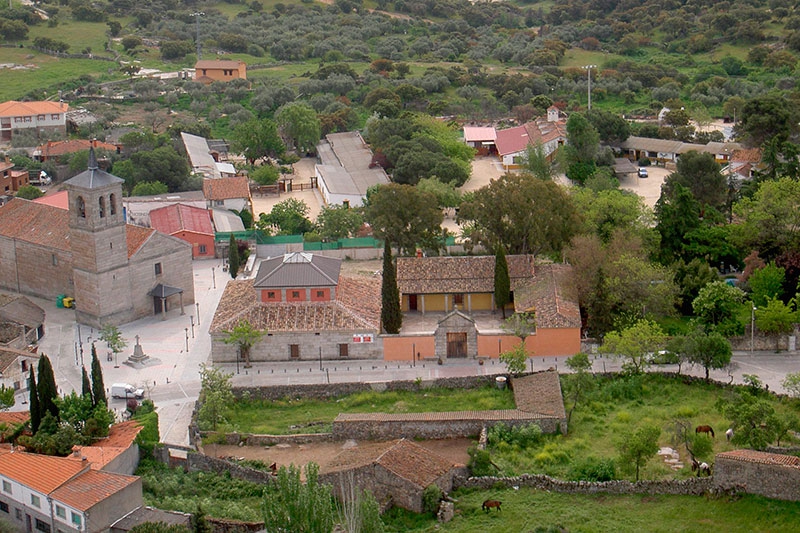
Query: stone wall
{"x": 335, "y": 390}
{"x": 276, "y": 347}
{"x": 694, "y": 486}
{"x": 425, "y": 426}
{"x": 773, "y": 481}
{"x": 197, "y": 462}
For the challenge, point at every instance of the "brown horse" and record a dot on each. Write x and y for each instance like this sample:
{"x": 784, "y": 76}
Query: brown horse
{"x": 488, "y": 504}
{"x": 705, "y": 429}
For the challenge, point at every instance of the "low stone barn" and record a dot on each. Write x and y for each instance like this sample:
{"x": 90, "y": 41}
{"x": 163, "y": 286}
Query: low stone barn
{"x": 21, "y": 321}
{"x": 767, "y": 474}
{"x": 396, "y": 472}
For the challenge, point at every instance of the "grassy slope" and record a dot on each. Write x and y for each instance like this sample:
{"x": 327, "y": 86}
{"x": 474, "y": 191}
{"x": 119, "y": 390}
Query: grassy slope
{"x": 525, "y": 510}
{"x": 277, "y": 417}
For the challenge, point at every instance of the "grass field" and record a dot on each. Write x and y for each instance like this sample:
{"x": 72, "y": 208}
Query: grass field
{"x": 316, "y": 416}
{"x": 525, "y": 510}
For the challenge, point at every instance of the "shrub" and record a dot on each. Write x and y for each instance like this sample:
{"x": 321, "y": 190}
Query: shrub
{"x": 644, "y": 162}
{"x": 520, "y": 436}
{"x": 593, "y": 469}
{"x": 431, "y": 497}
{"x": 480, "y": 462}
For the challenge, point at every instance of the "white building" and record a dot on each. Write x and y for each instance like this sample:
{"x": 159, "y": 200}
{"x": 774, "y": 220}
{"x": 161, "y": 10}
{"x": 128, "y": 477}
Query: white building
{"x": 345, "y": 170}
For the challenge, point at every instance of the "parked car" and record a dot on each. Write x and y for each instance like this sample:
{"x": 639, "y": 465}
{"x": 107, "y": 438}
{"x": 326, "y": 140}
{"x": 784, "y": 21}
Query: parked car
{"x": 642, "y": 172}
{"x": 124, "y": 390}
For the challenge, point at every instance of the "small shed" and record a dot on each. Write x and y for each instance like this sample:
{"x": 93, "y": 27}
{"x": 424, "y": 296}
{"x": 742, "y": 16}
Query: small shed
{"x": 767, "y": 474}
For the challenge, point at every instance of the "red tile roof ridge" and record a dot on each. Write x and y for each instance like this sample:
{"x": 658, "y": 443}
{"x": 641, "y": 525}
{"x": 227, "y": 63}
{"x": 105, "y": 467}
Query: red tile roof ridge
{"x": 754, "y": 456}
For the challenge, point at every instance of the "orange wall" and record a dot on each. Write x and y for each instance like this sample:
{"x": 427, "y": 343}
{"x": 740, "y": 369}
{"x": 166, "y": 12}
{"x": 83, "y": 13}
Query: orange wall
{"x": 196, "y": 239}
{"x": 397, "y": 348}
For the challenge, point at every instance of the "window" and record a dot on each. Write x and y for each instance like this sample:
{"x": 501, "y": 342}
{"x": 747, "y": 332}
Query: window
{"x": 61, "y": 512}
{"x": 55, "y": 116}
{"x": 42, "y": 526}
{"x": 35, "y": 501}
{"x": 343, "y": 350}
{"x": 28, "y": 119}
{"x": 270, "y": 294}
{"x": 458, "y": 299}
{"x": 295, "y": 294}
{"x": 81, "y": 207}
{"x": 158, "y": 269}
{"x": 112, "y": 204}
{"x": 76, "y": 519}
{"x": 4, "y": 507}
{"x": 102, "y": 203}
{"x": 320, "y": 294}
{"x": 294, "y": 351}
{"x": 17, "y": 119}
{"x": 24, "y": 369}
{"x": 219, "y": 202}
{"x": 54, "y": 259}
{"x": 41, "y": 117}
{"x": 18, "y": 513}
{"x": 7, "y": 484}
{"x": 202, "y": 248}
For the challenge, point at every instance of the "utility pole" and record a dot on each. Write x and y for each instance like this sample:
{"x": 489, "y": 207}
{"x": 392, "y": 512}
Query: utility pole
{"x": 589, "y": 88}
{"x": 197, "y": 15}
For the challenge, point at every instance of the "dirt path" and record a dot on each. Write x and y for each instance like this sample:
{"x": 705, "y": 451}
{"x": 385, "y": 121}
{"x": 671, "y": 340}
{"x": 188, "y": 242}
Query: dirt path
{"x": 323, "y": 453}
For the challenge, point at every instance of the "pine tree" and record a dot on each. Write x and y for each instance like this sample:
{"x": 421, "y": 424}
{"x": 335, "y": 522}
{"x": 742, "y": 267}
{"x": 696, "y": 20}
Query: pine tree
{"x": 86, "y": 385}
{"x": 233, "y": 257}
{"x": 502, "y": 281}
{"x": 48, "y": 392}
{"x": 98, "y": 387}
{"x": 391, "y": 317}
{"x": 36, "y": 414}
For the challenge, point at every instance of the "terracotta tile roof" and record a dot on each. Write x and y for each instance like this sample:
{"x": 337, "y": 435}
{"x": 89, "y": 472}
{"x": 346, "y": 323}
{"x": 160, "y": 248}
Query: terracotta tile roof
{"x": 548, "y": 294}
{"x": 48, "y": 226}
{"x": 479, "y": 133}
{"x": 9, "y": 356}
{"x": 58, "y": 199}
{"x": 35, "y": 223}
{"x": 539, "y": 393}
{"x": 226, "y": 188}
{"x": 14, "y": 418}
{"x": 764, "y": 458}
{"x": 92, "y": 487}
{"x": 42, "y": 473}
{"x": 13, "y": 108}
{"x": 136, "y": 236}
{"x": 175, "y": 218}
{"x": 101, "y": 452}
{"x": 458, "y": 274}
{"x": 751, "y": 155}
{"x": 219, "y": 64}
{"x": 20, "y": 310}
{"x": 517, "y": 139}
{"x": 403, "y": 458}
{"x": 57, "y": 148}
{"x": 240, "y": 302}
{"x": 5, "y": 165}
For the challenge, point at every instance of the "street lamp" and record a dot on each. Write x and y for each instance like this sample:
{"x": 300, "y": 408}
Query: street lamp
{"x": 589, "y": 87}
{"x": 197, "y": 16}
{"x": 191, "y": 319}
{"x": 197, "y": 305}
{"x": 187, "y": 338}
{"x": 213, "y": 279}
{"x": 752, "y": 327}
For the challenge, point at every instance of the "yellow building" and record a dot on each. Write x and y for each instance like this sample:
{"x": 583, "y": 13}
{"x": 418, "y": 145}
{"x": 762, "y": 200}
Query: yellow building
{"x": 210, "y": 70}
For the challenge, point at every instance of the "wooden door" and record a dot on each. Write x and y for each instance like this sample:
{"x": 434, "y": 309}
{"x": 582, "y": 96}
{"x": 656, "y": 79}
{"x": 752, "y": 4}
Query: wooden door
{"x": 457, "y": 345}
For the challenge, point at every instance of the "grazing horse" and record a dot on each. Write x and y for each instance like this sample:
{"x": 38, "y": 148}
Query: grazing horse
{"x": 488, "y": 504}
{"x": 705, "y": 429}
{"x": 702, "y": 469}
{"x": 729, "y": 434}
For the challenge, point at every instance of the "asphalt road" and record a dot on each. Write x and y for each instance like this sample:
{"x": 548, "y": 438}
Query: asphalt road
{"x": 176, "y": 350}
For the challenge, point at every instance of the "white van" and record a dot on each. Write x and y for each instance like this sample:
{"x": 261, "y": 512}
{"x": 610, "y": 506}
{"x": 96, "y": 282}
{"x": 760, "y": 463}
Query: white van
{"x": 125, "y": 391}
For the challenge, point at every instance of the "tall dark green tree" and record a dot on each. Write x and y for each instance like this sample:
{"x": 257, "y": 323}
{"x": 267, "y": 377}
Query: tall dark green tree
{"x": 48, "y": 392}
{"x": 391, "y": 317}
{"x": 502, "y": 281}
{"x": 86, "y": 385}
{"x": 35, "y": 409}
{"x": 98, "y": 387}
{"x": 233, "y": 257}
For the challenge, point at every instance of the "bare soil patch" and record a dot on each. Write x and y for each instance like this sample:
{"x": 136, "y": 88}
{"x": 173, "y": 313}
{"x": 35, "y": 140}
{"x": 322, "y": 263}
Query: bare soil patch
{"x": 322, "y": 453}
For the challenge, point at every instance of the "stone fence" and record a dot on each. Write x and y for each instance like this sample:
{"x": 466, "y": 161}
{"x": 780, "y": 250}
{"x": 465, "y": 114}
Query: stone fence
{"x": 695, "y": 486}
{"x": 334, "y": 390}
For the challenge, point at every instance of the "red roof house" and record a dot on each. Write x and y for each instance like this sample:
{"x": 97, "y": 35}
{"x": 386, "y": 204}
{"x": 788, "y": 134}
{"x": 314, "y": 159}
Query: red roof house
{"x": 550, "y": 133}
{"x": 189, "y": 223}
{"x": 54, "y": 149}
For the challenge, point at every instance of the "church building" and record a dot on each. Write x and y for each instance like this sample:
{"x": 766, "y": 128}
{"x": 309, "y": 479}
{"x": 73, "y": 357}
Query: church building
{"x": 116, "y": 272}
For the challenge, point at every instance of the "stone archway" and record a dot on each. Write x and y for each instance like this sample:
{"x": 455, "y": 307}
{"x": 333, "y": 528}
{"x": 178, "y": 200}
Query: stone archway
{"x": 456, "y": 336}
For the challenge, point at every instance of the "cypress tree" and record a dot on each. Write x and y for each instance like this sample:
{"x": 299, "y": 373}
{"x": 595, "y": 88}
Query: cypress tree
{"x": 233, "y": 257}
{"x": 48, "y": 392}
{"x": 502, "y": 281}
{"x": 391, "y": 317}
{"x": 98, "y": 387}
{"x": 36, "y": 414}
{"x": 86, "y": 385}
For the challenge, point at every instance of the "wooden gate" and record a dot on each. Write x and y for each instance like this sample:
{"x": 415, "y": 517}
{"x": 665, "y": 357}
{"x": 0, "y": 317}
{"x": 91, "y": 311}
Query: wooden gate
{"x": 457, "y": 344}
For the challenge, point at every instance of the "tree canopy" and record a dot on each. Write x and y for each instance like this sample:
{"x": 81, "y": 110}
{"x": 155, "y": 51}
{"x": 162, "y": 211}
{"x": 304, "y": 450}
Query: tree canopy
{"x": 405, "y": 216}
